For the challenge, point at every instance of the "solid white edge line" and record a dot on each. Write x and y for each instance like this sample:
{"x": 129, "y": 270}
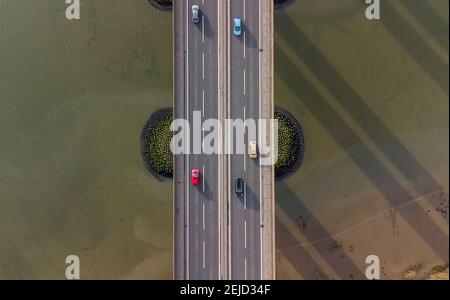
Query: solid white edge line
{"x": 260, "y": 181}
{"x": 228, "y": 142}
{"x": 220, "y": 144}
{"x": 187, "y": 138}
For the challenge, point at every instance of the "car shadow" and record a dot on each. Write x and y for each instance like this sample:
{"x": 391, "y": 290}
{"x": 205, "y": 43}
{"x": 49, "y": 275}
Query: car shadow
{"x": 251, "y": 41}
{"x": 209, "y": 33}
{"x": 252, "y": 198}
{"x": 205, "y": 189}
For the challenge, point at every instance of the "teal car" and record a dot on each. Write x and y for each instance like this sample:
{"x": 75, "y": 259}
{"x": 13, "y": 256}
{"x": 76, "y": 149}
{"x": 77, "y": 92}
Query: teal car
{"x": 237, "y": 27}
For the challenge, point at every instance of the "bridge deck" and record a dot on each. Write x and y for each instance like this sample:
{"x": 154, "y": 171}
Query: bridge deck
{"x": 185, "y": 197}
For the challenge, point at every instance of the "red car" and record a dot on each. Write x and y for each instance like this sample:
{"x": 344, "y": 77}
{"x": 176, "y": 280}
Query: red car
{"x": 195, "y": 177}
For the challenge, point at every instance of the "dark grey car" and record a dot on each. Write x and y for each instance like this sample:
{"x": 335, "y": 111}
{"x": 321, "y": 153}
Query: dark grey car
{"x": 239, "y": 187}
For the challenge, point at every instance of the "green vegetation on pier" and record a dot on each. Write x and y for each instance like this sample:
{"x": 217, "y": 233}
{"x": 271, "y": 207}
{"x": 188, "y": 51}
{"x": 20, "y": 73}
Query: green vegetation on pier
{"x": 290, "y": 144}
{"x": 162, "y": 4}
{"x": 156, "y": 139}
{"x": 155, "y": 143}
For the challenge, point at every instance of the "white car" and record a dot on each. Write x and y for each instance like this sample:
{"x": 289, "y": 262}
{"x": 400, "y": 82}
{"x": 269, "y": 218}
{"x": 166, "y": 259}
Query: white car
{"x": 195, "y": 13}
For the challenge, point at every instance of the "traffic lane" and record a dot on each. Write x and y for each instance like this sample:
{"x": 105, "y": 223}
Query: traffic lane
{"x": 207, "y": 247}
{"x": 246, "y": 214}
{"x": 237, "y": 91}
{"x": 237, "y": 103}
{"x": 238, "y": 232}
{"x": 195, "y": 161}
{"x": 191, "y": 239}
{"x": 245, "y": 241}
{"x": 251, "y": 214}
{"x": 253, "y": 211}
{"x": 252, "y": 219}
{"x": 210, "y": 110}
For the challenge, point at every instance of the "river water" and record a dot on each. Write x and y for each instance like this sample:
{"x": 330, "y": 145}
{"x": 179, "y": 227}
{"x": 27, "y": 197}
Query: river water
{"x": 75, "y": 96}
{"x": 371, "y": 96}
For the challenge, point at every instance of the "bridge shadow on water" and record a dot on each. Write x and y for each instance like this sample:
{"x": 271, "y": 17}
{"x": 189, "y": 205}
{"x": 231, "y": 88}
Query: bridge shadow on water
{"x": 429, "y": 19}
{"x": 357, "y": 108}
{"x": 311, "y": 230}
{"x": 413, "y": 44}
{"x": 297, "y": 256}
{"x": 354, "y": 105}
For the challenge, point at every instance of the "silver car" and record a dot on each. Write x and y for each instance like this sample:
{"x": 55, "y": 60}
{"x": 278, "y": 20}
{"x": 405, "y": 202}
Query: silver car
{"x": 195, "y": 13}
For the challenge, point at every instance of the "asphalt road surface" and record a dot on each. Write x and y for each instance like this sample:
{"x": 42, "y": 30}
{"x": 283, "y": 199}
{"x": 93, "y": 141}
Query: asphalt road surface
{"x": 202, "y": 102}
{"x": 245, "y": 213}
{"x": 202, "y": 222}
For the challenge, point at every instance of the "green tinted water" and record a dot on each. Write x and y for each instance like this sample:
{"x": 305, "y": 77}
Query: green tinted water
{"x": 74, "y": 98}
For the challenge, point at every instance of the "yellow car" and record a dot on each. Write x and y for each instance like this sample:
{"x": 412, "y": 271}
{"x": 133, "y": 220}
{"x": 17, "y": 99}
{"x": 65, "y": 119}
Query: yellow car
{"x": 252, "y": 149}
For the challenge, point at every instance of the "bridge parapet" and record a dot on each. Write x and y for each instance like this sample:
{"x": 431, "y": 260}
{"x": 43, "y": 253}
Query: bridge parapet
{"x": 267, "y": 112}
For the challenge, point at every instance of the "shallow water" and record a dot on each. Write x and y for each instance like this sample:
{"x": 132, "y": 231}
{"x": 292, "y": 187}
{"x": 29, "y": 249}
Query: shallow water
{"x": 75, "y": 96}
{"x": 372, "y": 98}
